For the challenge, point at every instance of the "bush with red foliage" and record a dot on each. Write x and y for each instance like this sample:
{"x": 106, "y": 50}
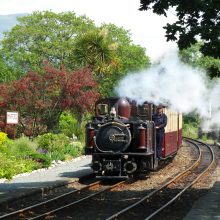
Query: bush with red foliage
{"x": 41, "y": 98}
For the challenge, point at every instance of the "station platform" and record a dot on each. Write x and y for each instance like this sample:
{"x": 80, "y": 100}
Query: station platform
{"x": 40, "y": 180}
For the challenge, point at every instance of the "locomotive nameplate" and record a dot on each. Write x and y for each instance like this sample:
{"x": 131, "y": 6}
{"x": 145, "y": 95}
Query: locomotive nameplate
{"x": 118, "y": 138}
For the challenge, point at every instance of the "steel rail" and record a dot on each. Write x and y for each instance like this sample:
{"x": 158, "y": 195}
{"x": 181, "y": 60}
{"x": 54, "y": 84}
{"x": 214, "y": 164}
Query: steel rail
{"x": 174, "y": 179}
{"x": 76, "y": 202}
{"x": 189, "y": 185}
{"x": 29, "y": 208}
{"x": 46, "y": 189}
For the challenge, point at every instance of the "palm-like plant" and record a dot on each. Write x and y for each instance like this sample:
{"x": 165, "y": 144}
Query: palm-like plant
{"x": 95, "y": 51}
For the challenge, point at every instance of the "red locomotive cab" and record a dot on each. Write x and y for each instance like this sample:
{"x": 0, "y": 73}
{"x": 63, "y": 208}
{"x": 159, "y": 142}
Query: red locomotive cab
{"x": 124, "y": 108}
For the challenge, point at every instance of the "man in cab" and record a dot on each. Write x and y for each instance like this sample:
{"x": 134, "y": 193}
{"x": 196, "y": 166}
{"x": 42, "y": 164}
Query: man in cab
{"x": 160, "y": 121}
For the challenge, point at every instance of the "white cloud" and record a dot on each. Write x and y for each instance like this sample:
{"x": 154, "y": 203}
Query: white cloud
{"x": 146, "y": 27}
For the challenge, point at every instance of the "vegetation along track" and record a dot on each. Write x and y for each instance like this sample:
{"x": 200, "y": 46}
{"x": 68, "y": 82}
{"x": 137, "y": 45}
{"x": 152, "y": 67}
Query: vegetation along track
{"x": 159, "y": 199}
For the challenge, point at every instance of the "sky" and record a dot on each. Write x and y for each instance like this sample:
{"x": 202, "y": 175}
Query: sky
{"x": 146, "y": 28}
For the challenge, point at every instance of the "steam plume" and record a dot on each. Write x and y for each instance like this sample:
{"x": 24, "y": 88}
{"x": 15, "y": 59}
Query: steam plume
{"x": 177, "y": 85}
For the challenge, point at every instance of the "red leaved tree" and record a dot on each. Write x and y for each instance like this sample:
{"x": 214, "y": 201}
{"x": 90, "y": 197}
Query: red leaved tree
{"x": 40, "y": 99}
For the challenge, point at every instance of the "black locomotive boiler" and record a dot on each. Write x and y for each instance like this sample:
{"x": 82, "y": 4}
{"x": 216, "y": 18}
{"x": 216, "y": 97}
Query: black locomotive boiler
{"x": 121, "y": 138}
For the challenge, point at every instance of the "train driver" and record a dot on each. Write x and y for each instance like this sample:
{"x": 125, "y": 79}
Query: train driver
{"x": 160, "y": 120}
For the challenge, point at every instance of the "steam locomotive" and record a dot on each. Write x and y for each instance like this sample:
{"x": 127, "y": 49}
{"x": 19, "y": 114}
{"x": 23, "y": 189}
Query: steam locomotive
{"x": 122, "y": 137}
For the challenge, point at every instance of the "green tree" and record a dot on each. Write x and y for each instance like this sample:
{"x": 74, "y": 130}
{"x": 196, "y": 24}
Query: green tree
{"x": 6, "y": 73}
{"x": 195, "y": 18}
{"x": 110, "y": 53}
{"x": 193, "y": 56}
{"x": 128, "y": 57}
{"x": 75, "y": 42}
{"x": 131, "y": 57}
{"x": 43, "y": 36}
{"x": 95, "y": 50}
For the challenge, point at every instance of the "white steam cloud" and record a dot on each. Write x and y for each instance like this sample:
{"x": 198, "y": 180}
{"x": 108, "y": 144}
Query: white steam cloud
{"x": 177, "y": 85}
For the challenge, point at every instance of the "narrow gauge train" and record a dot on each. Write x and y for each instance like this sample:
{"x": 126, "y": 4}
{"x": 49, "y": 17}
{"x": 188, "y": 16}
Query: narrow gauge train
{"x": 121, "y": 137}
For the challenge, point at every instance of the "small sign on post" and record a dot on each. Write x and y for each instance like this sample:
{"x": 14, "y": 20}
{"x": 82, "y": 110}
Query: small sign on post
{"x": 12, "y": 118}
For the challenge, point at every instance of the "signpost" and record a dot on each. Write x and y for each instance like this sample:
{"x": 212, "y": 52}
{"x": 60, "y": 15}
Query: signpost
{"x": 12, "y": 118}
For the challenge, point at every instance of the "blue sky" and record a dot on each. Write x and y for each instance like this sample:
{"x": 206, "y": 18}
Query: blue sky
{"x": 146, "y": 28}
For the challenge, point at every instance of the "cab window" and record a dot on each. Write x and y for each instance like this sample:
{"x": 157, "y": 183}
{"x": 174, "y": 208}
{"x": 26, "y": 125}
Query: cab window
{"x": 142, "y": 110}
{"x": 102, "y": 109}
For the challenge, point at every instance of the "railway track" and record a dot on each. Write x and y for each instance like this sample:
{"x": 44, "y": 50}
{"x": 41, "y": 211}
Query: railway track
{"x": 49, "y": 193}
{"x": 41, "y": 193}
{"x": 52, "y": 206}
{"x": 172, "y": 189}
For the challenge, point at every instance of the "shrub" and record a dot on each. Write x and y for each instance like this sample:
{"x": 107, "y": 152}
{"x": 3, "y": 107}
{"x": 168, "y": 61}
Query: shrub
{"x": 190, "y": 130}
{"x": 191, "y": 123}
{"x": 79, "y": 146}
{"x": 74, "y": 149}
{"x": 12, "y": 165}
{"x": 20, "y": 156}
{"x": 23, "y": 147}
{"x": 67, "y": 124}
{"x": 53, "y": 145}
{"x": 80, "y": 130}
{"x": 58, "y": 146}
{"x": 52, "y": 142}
{"x": 3, "y": 137}
{"x": 24, "y": 155}
{"x": 56, "y": 155}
